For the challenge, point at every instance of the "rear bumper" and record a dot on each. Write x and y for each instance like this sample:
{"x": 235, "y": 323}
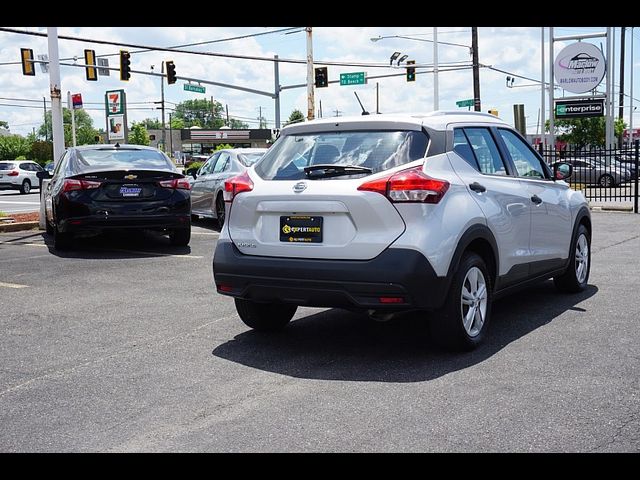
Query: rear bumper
{"x": 100, "y": 222}
{"x": 395, "y": 273}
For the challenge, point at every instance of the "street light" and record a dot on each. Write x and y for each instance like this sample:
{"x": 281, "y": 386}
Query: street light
{"x": 402, "y": 59}
{"x": 393, "y": 57}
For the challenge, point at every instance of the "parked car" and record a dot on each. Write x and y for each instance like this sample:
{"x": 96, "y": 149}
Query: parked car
{"x": 19, "y": 175}
{"x": 101, "y": 187}
{"x": 49, "y": 166}
{"x": 591, "y": 171}
{"x": 208, "y": 182}
{"x": 441, "y": 212}
{"x": 628, "y": 161}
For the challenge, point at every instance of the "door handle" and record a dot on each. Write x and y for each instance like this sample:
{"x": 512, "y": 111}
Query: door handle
{"x": 536, "y": 199}
{"x": 476, "y": 187}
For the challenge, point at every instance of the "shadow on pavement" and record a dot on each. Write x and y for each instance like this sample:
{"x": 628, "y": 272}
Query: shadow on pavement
{"x": 118, "y": 244}
{"x": 339, "y": 345}
{"x": 208, "y": 223}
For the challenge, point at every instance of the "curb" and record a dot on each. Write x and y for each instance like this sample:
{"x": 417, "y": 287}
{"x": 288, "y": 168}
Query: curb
{"x": 16, "y": 227}
{"x": 612, "y": 208}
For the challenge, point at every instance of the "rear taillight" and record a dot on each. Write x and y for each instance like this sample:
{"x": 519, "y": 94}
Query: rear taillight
{"x": 71, "y": 184}
{"x": 410, "y": 185}
{"x": 176, "y": 183}
{"x": 236, "y": 185}
{"x": 12, "y": 173}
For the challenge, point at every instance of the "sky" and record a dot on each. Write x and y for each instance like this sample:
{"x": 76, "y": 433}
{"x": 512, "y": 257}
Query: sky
{"x": 512, "y": 49}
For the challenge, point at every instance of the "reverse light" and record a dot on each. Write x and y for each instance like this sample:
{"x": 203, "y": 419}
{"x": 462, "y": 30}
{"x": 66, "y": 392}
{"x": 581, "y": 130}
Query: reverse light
{"x": 176, "y": 184}
{"x": 71, "y": 184}
{"x": 235, "y": 185}
{"x": 409, "y": 186}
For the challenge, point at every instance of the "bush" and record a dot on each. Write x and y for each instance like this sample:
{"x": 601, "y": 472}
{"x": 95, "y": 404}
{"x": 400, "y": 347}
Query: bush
{"x": 42, "y": 152}
{"x": 21, "y": 157}
{"x": 195, "y": 166}
{"x": 13, "y": 146}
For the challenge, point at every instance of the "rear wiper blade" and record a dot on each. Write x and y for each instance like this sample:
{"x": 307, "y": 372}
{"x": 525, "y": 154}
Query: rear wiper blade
{"x": 327, "y": 171}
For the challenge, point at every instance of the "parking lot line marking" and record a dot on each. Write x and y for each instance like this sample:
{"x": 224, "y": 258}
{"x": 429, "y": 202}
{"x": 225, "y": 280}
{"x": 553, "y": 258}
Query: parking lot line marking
{"x": 12, "y": 285}
{"x": 155, "y": 254}
{"x": 215, "y": 234}
{"x": 20, "y": 203}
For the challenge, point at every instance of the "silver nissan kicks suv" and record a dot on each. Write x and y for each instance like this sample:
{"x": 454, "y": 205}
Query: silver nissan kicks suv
{"x": 442, "y": 212}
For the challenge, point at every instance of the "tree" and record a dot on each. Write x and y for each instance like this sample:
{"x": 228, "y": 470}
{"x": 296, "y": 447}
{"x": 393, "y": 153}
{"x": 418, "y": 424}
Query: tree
{"x": 237, "y": 124}
{"x": 138, "y": 134}
{"x": 13, "y": 146}
{"x": 4, "y": 124}
{"x": 42, "y": 152}
{"x": 199, "y": 112}
{"x": 85, "y": 133}
{"x": 295, "y": 117}
{"x": 584, "y": 132}
{"x": 152, "y": 124}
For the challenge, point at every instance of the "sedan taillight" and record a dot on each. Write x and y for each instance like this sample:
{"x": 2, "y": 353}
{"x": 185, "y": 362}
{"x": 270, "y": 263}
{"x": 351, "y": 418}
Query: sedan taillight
{"x": 71, "y": 184}
{"x": 176, "y": 183}
{"x": 410, "y": 185}
{"x": 236, "y": 185}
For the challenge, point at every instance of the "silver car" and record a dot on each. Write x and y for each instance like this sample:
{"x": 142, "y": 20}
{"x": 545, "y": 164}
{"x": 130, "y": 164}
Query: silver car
{"x": 592, "y": 171}
{"x": 208, "y": 184}
{"x": 19, "y": 175}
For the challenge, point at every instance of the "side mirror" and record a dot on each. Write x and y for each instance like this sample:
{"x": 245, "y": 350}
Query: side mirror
{"x": 43, "y": 175}
{"x": 562, "y": 171}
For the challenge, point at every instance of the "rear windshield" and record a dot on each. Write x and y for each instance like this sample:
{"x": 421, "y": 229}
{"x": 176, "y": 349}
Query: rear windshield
{"x": 377, "y": 150}
{"x": 7, "y": 166}
{"x": 122, "y": 160}
{"x": 249, "y": 159}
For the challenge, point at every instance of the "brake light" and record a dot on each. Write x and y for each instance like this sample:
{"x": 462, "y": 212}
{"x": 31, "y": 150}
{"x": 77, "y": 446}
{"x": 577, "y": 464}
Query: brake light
{"x": 13, "y": 173}
{"x": 176, "y": 183}
{"x": 236, "y": 185}
{"x": 410, "y": 185}
{"x": 71, "y": 184}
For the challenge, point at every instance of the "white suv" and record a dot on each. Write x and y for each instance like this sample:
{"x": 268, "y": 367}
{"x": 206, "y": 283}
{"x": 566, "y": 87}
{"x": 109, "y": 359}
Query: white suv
{"x": 19, "y": 175}
{"x": 442, "y": 212}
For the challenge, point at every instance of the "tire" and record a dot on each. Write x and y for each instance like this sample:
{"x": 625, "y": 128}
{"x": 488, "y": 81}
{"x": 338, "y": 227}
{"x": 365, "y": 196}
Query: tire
{"x": 606, "y": 181}
{"x": 576, "y": 277}
{"x": 194, "y": 217}
{"x": 220, "y": 211}
{"x": 462, "y": 321}
{"x": 25, "y": 188}
{"x": 180, "y": 237}
{"x": 265, "y": 317}
{"x": 47, "y": 226}
{"x": 61, "y": 241}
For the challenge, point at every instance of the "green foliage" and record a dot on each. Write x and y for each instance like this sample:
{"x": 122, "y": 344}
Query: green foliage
{"x": 152, "y": 124}
{"x": 138, "y": 134}
{"x": 583, "y": 132}
{"x": 296, "y": 116}
{"x": 618, "y": 127}
{"x": 199, "y": 112}
{"x": 21, "y": 157}
{"x": 237, "y": 124}
{"x": 85, "y": 133}
{"x": 177, "y": 123}
{"x": 13, "y": 146}
{"x": 223, "y": 146}
{"x": 195, "y": 165}
{"x": 4, "y": 124}
{"x": 42, "y": 152}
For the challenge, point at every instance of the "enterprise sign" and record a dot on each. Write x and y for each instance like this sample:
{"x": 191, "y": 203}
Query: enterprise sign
{"x": 579, "y": 108}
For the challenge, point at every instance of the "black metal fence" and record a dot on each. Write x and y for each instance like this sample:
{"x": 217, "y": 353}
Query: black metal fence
{"x": 602, "y": 174}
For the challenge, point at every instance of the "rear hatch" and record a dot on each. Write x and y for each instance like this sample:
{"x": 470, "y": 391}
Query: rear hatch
{"x": 304, "y": 199}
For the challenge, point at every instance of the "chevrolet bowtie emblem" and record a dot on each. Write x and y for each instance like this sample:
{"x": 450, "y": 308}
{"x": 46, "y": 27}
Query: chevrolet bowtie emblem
{"x": 130, "y": 177}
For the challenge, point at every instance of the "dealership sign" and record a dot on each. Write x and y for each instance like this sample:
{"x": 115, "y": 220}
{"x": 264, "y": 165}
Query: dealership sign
{"x": 579, "y": 108}
{"x": 579, "y": 67}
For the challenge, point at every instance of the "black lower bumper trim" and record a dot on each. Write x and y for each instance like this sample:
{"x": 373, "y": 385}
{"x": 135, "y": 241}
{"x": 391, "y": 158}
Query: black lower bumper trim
{"x": 403, "y": 277}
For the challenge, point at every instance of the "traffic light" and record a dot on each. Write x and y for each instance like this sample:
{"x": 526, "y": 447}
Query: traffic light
{"x": 493, "y": 112}
{"x": 322, "y": 77}
{"x": 26, "y": 55}
{"x": 171, "y": 72}
{"x": 90, "y": 59}
{"x": 125, "y": 65}
{"x": 411, "y": 71}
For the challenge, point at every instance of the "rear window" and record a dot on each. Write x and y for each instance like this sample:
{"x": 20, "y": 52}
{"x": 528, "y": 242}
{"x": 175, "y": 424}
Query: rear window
{"x": 248, "y": 159}
{"x": 377, "y": 150}
{"x": 123, "y": 159}
{"x": 7, "y": 166}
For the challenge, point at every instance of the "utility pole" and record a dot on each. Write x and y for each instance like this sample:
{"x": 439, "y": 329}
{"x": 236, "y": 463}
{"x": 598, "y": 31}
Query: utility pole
{"x": 170, "y": 137}
{"x": 621, "y": 97}
{"x": 476, "y": 70}
{"x": 226, "y": 105}
{"x": 164, "y": 127}
{"x": 310, "y": 100}
{"x": 276, "y": 96}
{"x": 631, "y": 95}
{"x": 542, "y": 87}
{"x": 57, "y": 130}
{"x": 377, "y": 97}
{"x": 46, "y": 128}
{"x": 552, "y": 113}
{"x": 436, "y": 102}
{"x": 73, "y": 118}
{"x": 609, "y": 110}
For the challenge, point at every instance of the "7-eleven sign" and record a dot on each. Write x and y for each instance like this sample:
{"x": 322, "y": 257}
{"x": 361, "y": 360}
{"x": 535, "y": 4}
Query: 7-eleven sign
{"x": 114, "y": 102}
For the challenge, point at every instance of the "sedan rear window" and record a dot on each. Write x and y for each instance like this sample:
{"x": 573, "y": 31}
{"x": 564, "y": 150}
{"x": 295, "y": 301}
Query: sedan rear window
{"x": 128, "y": 159}
{"x": 7, "y": 166}
{"x": 373, "y": 150}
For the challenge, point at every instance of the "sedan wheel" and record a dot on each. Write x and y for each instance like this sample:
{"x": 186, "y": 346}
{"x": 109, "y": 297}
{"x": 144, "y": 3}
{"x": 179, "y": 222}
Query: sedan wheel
{"x": 220, "y": 210}
{"x": 606, "y": 181}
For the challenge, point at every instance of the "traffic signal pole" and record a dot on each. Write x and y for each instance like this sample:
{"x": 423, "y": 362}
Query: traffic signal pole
{"x": 57, "y": 128}
{"x": 310, "y": 99}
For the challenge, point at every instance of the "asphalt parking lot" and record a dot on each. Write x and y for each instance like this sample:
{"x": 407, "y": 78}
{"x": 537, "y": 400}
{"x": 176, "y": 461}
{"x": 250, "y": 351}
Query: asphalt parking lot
{"x": 123, "y": 345}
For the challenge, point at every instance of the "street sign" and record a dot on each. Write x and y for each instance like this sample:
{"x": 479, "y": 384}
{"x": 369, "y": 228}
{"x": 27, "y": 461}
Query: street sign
{"x": 194, "y": 88}
{"x": 579, "y": 108}
{"x": 103, "y": 72}
{"x": 354, "y": 78}
{"x": 44, "y": 66}
{"x": 76, "y": 101}
{"x": 465, "y": 103}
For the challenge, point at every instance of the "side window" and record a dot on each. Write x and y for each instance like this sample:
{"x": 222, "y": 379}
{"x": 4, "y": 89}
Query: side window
{"x": 36, "y": 167}
{"x": 486, "y": 151}
{"x": 25, "y": 166}
{"x": 222, "y": 162}
{"x": 208, "y": 166}
{"x": 61, "y": 163}
{"x": 526, "y": 162}
{"x": 461, "y": 147}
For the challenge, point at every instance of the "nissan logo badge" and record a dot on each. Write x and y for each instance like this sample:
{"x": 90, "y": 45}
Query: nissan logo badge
{"x": 300, "y": 187}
